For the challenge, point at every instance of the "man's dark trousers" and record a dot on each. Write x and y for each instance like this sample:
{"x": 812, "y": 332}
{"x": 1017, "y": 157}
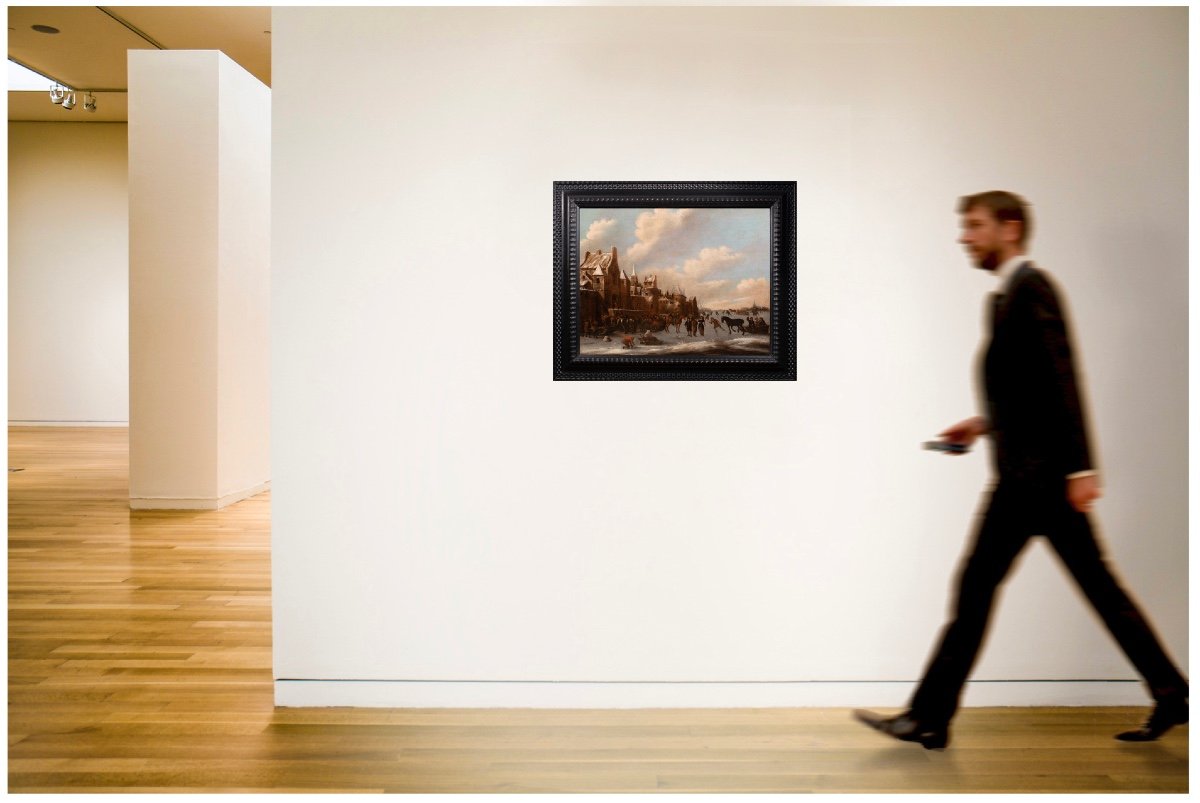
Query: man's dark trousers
{"x": 1013, "y": 515}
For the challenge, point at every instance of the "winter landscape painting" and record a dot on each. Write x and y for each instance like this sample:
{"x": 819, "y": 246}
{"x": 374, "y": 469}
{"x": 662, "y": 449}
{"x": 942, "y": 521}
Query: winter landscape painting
{"x": 674, "y": 280}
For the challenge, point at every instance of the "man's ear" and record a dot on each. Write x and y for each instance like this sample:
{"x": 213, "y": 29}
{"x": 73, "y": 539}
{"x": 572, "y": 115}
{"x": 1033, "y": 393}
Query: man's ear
{"x": 1011, "y": 231}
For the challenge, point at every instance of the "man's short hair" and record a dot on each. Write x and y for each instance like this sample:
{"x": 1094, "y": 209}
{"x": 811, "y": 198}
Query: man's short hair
{"x": 1004, "y": 206}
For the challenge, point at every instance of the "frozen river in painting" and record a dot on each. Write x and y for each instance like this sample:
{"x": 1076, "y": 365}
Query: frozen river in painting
{"x": 681, "y": 344}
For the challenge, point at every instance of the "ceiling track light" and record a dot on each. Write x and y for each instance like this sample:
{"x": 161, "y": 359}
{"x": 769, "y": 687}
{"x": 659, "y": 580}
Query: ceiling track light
{"x": 65, "y": 97}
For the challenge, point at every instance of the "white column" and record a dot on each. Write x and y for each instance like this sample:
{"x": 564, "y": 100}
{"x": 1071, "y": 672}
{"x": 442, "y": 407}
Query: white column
{"x": 199, "y": 268}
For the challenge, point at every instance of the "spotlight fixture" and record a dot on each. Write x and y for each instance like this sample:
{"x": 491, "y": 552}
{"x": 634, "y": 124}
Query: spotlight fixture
{"x": 57, "y": 94}
{"x": 89, "y": 102}
{"x": 69, "y": 101}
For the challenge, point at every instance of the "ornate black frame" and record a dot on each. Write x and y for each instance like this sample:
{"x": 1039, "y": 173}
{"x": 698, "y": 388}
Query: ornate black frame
{"x": 778, "y": 196}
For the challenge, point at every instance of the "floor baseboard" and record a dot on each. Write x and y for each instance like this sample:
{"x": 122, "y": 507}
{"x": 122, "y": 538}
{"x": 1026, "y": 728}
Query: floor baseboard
{"x": 516, "y": 694}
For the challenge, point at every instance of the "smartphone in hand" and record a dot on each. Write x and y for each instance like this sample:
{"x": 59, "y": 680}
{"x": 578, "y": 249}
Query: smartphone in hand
{"x": 947, "y": 446}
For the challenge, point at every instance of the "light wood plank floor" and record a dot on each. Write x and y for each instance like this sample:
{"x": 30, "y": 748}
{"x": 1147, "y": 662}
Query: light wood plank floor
{"x": 139, "y": 659}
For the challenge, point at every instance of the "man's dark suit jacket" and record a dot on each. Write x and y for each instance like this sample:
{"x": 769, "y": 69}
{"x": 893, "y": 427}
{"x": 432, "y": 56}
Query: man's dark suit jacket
{"x": 1037, "y": 423}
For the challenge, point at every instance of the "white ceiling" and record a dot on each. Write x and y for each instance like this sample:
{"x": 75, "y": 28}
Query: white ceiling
{"x": 89, "y": 51}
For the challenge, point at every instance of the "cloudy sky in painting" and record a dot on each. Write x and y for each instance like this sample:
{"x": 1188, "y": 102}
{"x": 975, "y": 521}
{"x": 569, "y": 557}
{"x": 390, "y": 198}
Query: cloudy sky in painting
{"x": 720, "y": 256}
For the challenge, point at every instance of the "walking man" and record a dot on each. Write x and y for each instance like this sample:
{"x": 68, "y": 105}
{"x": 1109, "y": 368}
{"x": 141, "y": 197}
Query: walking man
{"x": 1046, "y": 484}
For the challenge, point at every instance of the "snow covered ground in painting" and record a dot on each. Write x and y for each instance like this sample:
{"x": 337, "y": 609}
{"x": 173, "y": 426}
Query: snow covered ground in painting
{"x": 737, "y": 344}
{"x": 711, "y": 343}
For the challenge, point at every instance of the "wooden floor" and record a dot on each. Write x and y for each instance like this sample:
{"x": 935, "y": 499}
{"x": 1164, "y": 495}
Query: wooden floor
{"x": 140, "y": 654}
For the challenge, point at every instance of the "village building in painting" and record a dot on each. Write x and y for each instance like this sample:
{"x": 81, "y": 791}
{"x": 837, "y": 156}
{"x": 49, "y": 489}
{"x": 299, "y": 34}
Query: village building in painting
{"x": 608, "y": 296}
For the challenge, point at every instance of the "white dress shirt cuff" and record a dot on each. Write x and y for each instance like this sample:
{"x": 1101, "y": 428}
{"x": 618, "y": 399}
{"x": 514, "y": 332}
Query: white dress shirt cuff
{"x": 1079, "y": 474}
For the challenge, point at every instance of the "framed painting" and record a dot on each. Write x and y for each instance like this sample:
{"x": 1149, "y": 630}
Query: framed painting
{"x": 675, "y": 280}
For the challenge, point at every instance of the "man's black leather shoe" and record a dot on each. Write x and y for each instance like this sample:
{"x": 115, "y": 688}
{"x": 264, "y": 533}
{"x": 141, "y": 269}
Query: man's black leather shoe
{"x": 1166, "y": 715}
{"x": 906, "y": 729}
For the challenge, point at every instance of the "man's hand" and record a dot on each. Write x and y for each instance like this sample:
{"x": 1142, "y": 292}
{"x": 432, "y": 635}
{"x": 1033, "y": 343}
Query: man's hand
{"x": 965, "y": 432}
{"x": 1082, "y": 491}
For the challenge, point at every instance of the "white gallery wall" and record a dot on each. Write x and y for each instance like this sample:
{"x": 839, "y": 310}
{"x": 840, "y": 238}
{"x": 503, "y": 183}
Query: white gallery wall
{"x": 446, "y": 517}
{"x": 68, "y": 274}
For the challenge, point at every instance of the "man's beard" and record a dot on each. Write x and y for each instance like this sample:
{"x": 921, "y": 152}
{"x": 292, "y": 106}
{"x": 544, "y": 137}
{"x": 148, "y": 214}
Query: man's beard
{"x": 989, "y": 261}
